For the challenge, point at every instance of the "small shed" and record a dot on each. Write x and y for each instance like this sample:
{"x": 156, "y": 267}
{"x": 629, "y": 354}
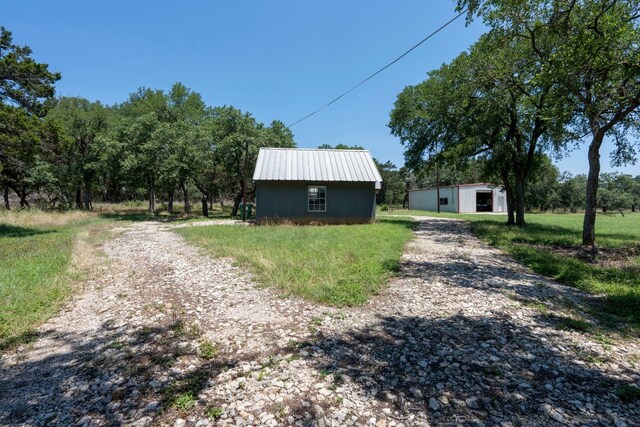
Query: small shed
{"x": 315, "y": 185}
{"x": 465, "y": 198}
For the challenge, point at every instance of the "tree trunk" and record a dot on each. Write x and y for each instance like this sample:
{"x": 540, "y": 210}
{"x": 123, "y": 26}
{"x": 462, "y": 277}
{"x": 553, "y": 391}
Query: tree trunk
{"x": 511, "y": 219}
{"x": 152, "y": 195}
{"x": 185, "y": 193}
{"x": 236, "y": 203}
{"x": 205, "y": 205}
{"x": 520, "y": 202}
{"x": 78, "y": 198}
{"x": 5, "y": 195}
{"x": 87, "y": 194}
{"x": 24, "y": 203}
{"x": 589, "y": 224}
{"x": 170, "y": 201}
{"x": 438, "y": 187}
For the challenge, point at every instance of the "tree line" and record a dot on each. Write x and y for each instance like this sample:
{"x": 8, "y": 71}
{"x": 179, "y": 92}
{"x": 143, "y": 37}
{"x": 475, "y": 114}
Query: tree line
{"x": 155, "y": 145}
{"x": 548, "y": 75}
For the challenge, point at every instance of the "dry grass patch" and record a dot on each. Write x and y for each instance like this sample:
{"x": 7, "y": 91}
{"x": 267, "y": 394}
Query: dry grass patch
{"x": 36, "y": 218}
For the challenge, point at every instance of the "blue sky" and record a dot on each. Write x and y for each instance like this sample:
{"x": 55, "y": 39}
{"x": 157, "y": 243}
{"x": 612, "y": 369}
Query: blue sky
{"x": 276, "y": 59}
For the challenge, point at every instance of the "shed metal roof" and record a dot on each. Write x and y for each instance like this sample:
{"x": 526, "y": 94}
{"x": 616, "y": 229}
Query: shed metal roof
{"x": 303, "y": 164}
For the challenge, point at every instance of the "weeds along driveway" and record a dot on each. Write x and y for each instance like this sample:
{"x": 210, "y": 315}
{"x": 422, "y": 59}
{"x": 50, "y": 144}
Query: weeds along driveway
{"x": 463, "y": 336}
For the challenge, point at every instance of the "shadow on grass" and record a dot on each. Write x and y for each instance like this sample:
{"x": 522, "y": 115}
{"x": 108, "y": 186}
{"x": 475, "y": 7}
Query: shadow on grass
{"x": 622, "y": 287}
{"x": 7, "y": 230}
{"x": 165, "y": 218}
{"x": 14, "y": 341}
{"x": 463, "y": 370}
{"x": 536, "y": 246}
{"x": 407, "y": 223}
{"x": 543, "y": 234}
{"x": 137, "y": 217}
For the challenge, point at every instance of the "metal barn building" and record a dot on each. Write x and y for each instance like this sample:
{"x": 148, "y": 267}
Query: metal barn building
{"x": 314, "y": 185}
{"x": 467, "y": 198}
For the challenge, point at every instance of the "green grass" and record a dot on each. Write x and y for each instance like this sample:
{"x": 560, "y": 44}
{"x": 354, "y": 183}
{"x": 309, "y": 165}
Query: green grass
{"x": 207, "y": 349}
{"x": 341, "y": 265}
{"x": 214, "y": 412}
{"x": 575, "y": 324}
{"x": 35, "y": 279}
{"x": 184, "y": 401}
{"x": 549, "y": 244}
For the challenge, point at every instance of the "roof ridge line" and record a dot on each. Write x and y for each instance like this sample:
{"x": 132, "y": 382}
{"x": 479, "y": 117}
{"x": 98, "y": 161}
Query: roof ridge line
{"x": 314, "y": 149}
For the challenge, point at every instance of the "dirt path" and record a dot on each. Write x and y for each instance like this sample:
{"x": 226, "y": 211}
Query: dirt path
{"x": 463, "y": 336}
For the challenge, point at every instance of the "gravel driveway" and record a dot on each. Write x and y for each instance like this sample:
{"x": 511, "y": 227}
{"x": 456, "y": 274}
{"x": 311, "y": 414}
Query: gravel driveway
{"x": 462, "y": 336}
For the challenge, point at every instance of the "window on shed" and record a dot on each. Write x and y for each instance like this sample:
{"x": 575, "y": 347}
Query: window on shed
{"x": 317, "y": 199}
{"x": 444, "y": 201}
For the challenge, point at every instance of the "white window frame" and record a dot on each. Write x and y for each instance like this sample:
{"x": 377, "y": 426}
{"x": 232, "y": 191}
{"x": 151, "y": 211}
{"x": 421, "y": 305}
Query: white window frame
{"x": 446, "y": 201}
{"x": 309, "y": 198}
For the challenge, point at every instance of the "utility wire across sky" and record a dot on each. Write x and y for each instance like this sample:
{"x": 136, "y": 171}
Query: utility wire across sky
{"x": 445, "y": 25}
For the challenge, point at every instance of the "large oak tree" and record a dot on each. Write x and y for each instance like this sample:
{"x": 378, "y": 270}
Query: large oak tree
{"x": 592, "y": 51}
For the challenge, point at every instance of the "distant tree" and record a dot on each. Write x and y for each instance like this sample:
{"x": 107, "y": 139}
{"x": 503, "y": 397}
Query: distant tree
{"x": 393, "y": 187}
{"x": 542, "y": 189}
{"x": 155, "y": 139}
{"x": 140, "y": 150}
{"x": 635, "y": 193}
{"x": 188, "y": 111}
{"x": 231, "y": 130}
{"x": 81, "y": 121}
{"x": 615, "y": 193}
{"x": 341, "y": 147}
{"x": 25, "y": 88}
{"x": 570, "y": 194}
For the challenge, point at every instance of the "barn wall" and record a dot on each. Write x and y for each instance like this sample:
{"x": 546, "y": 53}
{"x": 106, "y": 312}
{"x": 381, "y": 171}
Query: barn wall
{"x": 426, "y": 200}
{"x": 499, "y": 205}
{"x": 347, "y": 202}
{"x": 468, "y": 198}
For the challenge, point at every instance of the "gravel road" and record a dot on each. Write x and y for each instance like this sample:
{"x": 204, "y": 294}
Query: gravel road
{"x": 163, "y": 335}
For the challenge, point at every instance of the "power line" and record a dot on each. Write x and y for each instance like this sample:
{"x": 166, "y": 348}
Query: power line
{"x": 382, "y": 69}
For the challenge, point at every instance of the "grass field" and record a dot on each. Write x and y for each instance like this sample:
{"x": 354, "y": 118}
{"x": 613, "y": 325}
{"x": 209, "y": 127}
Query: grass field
{"x": 341, "y": 265}
{"x": 550, "y": 245}
{"x": 36, "y": 252}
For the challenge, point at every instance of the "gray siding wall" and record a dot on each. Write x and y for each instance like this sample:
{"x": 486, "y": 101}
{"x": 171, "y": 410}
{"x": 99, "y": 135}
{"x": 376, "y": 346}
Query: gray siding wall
{"x": 288, "y": 200}
{"x": 427, "y": 200}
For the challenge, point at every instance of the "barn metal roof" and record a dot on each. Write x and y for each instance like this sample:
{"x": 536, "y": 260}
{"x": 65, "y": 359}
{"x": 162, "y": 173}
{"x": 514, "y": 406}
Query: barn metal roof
{"x": 304, "y": 164}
